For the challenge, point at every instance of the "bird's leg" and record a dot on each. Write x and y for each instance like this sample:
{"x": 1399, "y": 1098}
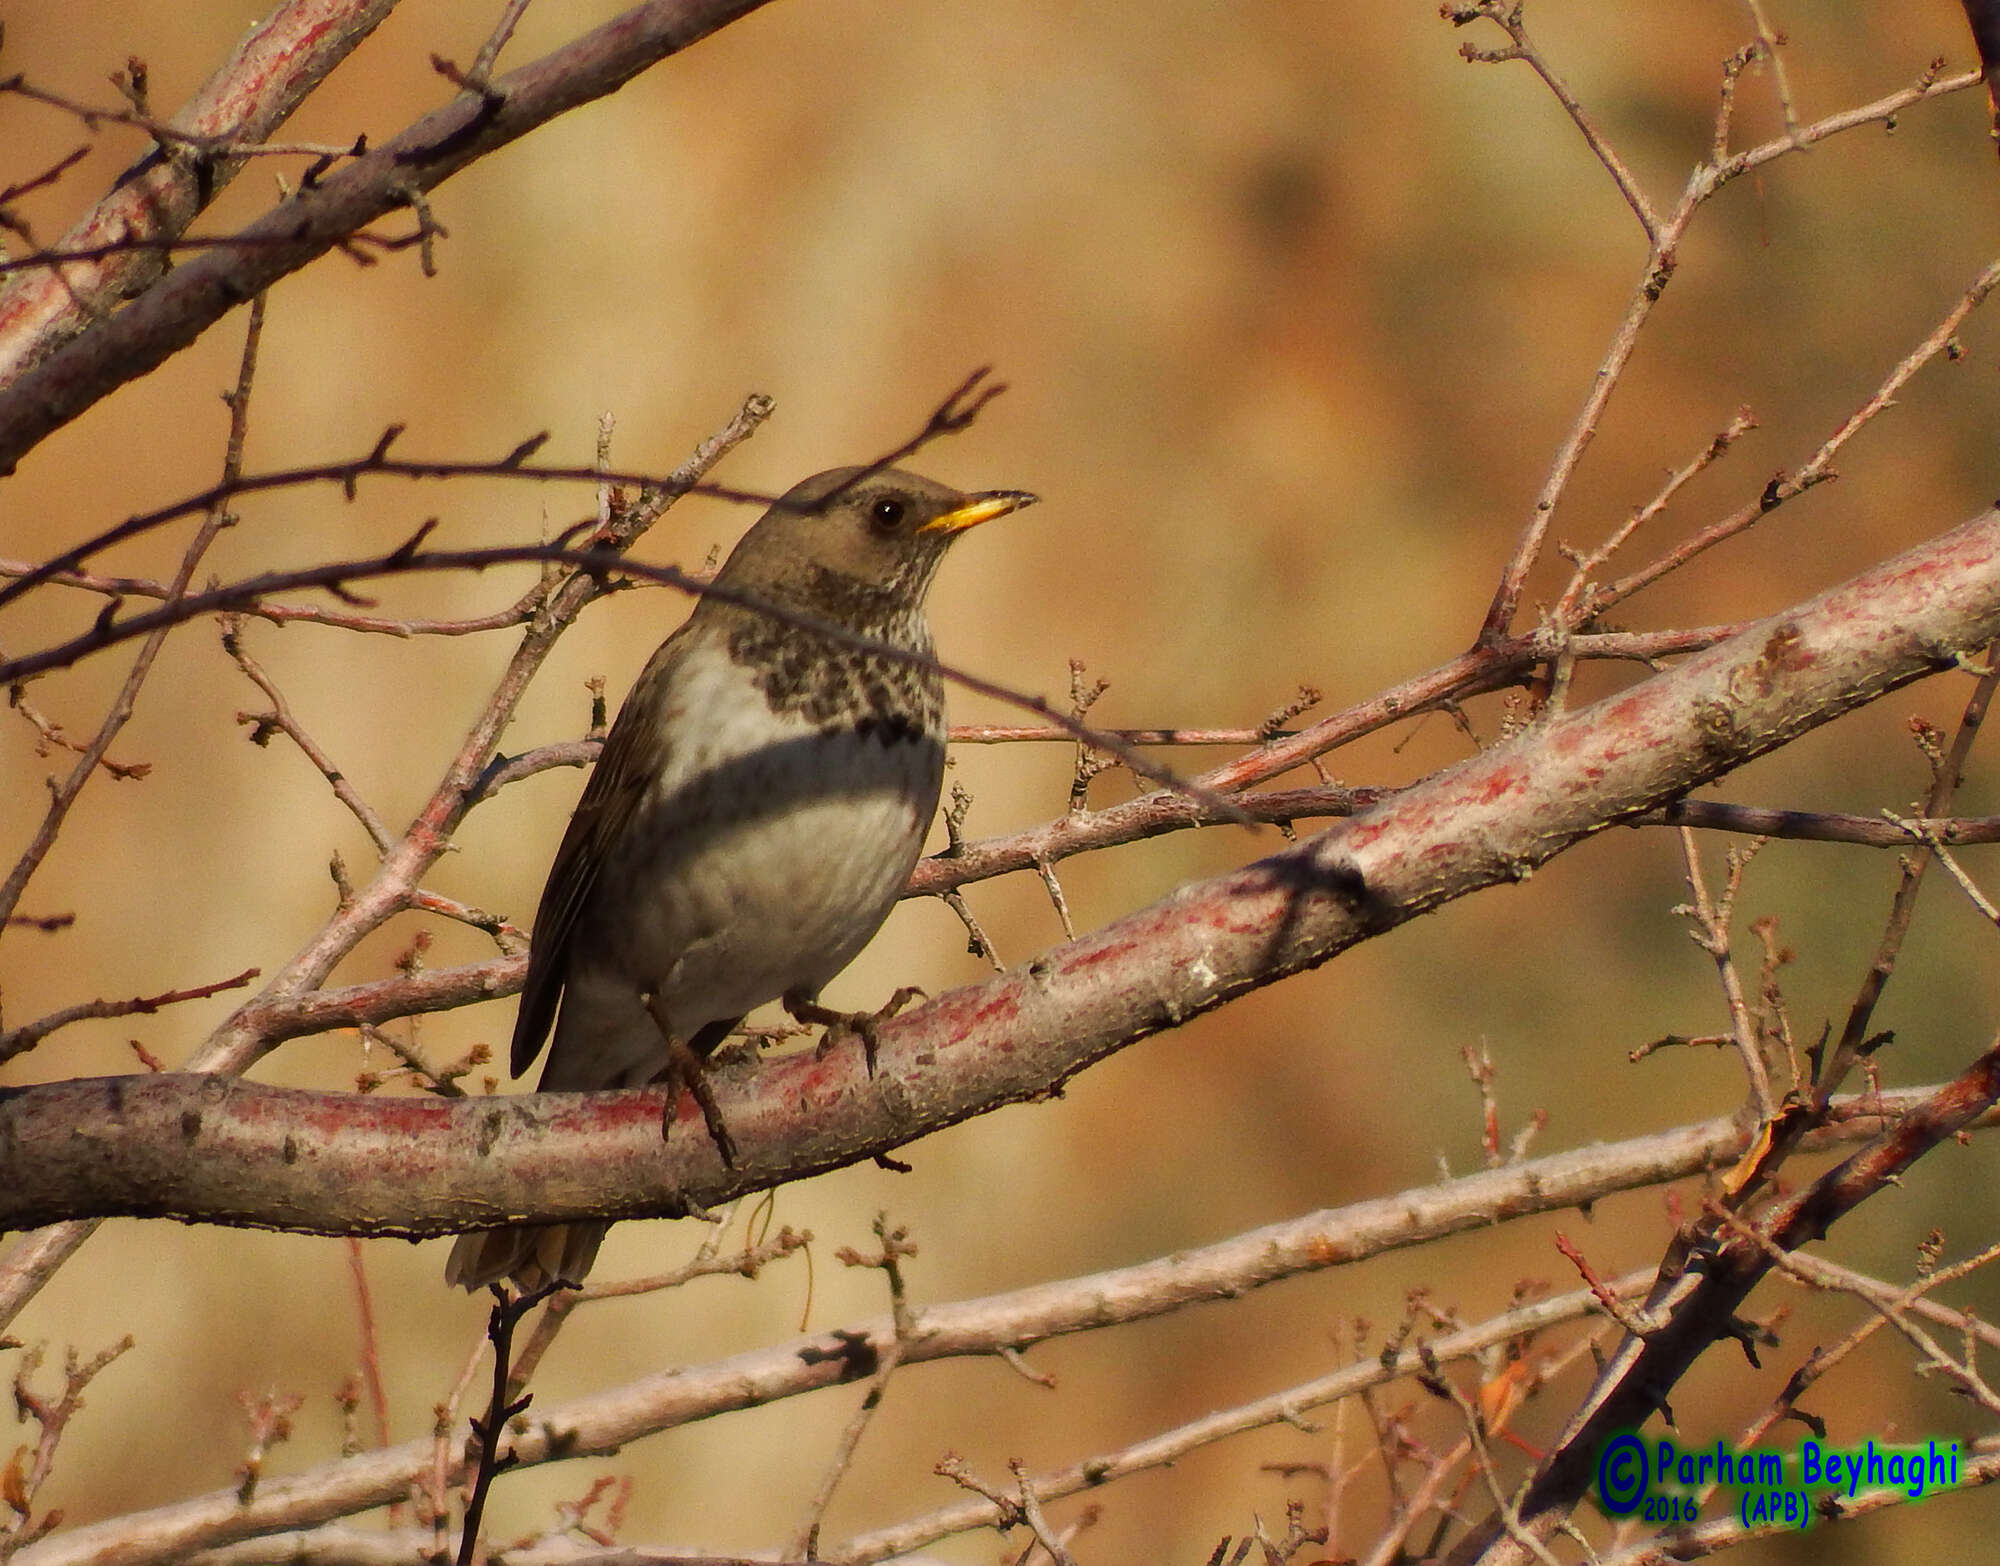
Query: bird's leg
{"x": 685, "y": 1070}
{"x": 864, "y": 1025}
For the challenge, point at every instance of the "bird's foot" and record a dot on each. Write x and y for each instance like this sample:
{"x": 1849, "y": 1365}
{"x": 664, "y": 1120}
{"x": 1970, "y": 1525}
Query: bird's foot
{"x": 864, "y": 1025}
{"x": 684, "y": 1069}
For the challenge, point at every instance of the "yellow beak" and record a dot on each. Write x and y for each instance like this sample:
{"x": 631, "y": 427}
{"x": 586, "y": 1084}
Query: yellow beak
{"x": 981, "y": 508}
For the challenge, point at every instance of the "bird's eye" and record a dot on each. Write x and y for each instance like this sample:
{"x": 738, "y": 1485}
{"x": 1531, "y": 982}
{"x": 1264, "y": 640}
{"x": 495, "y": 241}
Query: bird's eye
{"x": 886, "y": 513}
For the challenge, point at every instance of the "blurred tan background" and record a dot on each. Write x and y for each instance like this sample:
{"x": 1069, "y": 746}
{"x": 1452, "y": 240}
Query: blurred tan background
{"x": 1295, "y": 305}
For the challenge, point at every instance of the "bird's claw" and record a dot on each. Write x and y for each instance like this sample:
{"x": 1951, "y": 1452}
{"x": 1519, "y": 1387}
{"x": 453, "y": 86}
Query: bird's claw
{"x": 684, "y": 1069}
{"x": 864, "y": 1025}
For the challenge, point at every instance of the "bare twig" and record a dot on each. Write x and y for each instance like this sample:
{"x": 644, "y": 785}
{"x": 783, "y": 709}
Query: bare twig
{"x": 1712, "y": 918}
{"x": 17, "y": 1041}
{"x": 1817, "y": 469}
{"x": 52, "y": 1416}
{"x": 889, "y": 1259}
{"x": 176, "y": 309}
{"x": 1506, "y": 14}
{"x": 1947, "y": 772}
{"x": 64, "y": 795}
{"x": 275, "y": 65}
{"x": 1276, "y": 1408}
{"x": 32, "y": 1260}
{"x": 281, "y": 720}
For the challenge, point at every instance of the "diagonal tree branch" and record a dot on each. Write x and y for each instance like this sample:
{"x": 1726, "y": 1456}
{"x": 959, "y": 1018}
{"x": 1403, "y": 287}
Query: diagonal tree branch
{"x": 195, "y": 295}
{"x": 1695, "y": 1305}
{"x": 277, "y": 66}
{"x": 409, "y": 1166}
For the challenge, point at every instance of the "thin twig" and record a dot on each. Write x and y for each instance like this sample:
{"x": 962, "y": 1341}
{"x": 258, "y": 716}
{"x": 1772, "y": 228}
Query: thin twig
{"x": 1771, "y": 46}
{"x": 599, "y": 564}
{"x": 241, "y": 1040}
{"x": 1947, "y": 771}
{"x": 281, "y": 720}
{"x": 1712, "y": 918}
{"x": 1565, "y": 611}
{"x": 1818, "y": 468}
{"x": 889, "y": 1260}
{"x": 64, "y": 795}
{"x": 1168, "y": 1446}
{"x": 19, "y": 1040}
{"x": 1506, "y": 14}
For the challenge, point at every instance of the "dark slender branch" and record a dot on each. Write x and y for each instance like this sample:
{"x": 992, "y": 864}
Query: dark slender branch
{"x": 1814, "y": 826}
{"x": 502, "y": 1405}
{"x": 951, "y": 416}
{"x": 64, "y": 795}
{"x": 376, "y": 463}
{"x": 600, "y": 564}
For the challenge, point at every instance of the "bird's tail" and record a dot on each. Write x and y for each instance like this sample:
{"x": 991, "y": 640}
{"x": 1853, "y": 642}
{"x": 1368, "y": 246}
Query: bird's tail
{"x": 531, "y": 1255}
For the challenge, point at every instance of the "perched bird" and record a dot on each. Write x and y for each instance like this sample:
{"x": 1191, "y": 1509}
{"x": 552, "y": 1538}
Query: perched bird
{"x": 759, "y": 805}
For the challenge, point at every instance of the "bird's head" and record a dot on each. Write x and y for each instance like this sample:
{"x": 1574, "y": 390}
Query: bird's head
{"x": 848, "y": 542}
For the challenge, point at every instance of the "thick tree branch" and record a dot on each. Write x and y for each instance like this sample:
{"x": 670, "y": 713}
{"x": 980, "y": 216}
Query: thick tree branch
{"x": 603, "y": 1422}
{"x": 1019, "y": 1036}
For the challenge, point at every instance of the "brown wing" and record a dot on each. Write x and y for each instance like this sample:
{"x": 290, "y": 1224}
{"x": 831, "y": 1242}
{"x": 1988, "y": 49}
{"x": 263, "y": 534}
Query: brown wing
{"x": 634, "y": 754}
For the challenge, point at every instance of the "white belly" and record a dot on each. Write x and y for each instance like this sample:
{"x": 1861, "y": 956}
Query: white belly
{"x": 787, "y": 897}
{"x": 762, "y": 866}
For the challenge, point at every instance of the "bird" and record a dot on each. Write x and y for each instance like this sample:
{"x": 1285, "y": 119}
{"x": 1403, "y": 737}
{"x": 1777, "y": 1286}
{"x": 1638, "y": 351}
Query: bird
{"x": 757, "y": 809}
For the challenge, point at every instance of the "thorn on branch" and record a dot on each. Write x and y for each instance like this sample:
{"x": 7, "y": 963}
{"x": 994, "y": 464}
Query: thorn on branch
{"x": 1811, "y": 1421}
{"x": 963, "y": 405}
{"x": 1275, "y": 724}
{"x": 406, "y": 551}
{"x": 525, "y": 450}
{"x": 380, "y": 453}
{"x": 263, "y": 726}
{"x": 1749, "y": 1334}
{"x": 131, "y": 85}
{"x": 490, "y": 97}
{"x": 977, "y": 942}
{"x": 317, "y": 170}
{"x": 855, "y": 1351}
